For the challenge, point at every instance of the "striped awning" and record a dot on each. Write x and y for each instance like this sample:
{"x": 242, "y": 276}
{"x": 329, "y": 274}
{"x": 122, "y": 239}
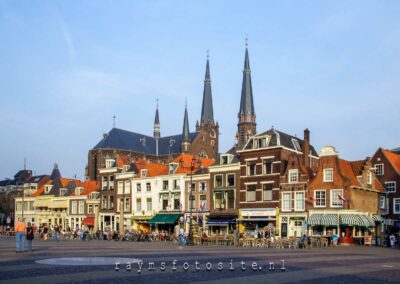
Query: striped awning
{"x": 378, "y": 218}
{"x": 314, "y": 219}
{"x": 350, "y": 220}
{"x": 330, "y": 220}
{"x": 367, "y": 221}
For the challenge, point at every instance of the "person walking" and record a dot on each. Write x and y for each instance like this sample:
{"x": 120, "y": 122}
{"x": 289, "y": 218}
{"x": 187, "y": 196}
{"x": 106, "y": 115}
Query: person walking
{"x": 30, "y": 236}
{"x": 20, "y": 231}
{"x": 57, "y": 232}
{"x": 45, "y": 232}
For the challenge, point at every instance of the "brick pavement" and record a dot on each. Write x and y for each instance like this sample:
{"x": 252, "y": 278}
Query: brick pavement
{"x": 328, "y": 265}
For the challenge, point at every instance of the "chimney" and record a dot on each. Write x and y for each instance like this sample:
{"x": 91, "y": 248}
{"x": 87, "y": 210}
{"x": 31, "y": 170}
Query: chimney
{"x": 306, "y": 148}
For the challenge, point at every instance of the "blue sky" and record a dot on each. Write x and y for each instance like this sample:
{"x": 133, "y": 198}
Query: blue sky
{"x": 66, "y": 67}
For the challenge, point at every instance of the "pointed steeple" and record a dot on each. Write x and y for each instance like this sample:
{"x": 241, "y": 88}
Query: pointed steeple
{"x": 207, "y": 114}
{"x": 185, "y": 131}
{"x": 156, "y": 132}
{"x": 246, "y": 115}
{"x": 246, "y": 111}
{"x": 55, "y": 175}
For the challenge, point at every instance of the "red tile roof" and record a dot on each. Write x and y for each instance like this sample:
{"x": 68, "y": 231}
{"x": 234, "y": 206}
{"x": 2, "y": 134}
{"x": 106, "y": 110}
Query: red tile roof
{"x": 393, "y": 158}
{"x": 153, "y": 169}
{"x": 188, "y": 159}
{"x": 357, "y": 166}
{"x": 40, "y": 190}
{"x": 347, "y": 170}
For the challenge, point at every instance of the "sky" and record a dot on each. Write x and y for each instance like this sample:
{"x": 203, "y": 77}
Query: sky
{"x": 66, "y": 67}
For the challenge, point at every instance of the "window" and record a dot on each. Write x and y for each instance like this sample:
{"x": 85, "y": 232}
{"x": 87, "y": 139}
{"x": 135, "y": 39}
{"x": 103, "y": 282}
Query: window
{"x": 90, "y": 209}
{"x": 104, "y": 183}
{"x": 192, "y": 201}
{"x": 120, "y": 187}
{"x": 143, "y": 173}
{"x": 390, "y": 186}
{"x": 63, "y": 191}
{"x": 260, "y": 142}
{"x": 251, "y": 168}
{"x": 164, "y": 202}
{"x": 319, "y": 198}
{"x": 149, "y": 205}
{"x": 230, "y": 180}
{"x": 379, "y": 169}
{"x": 74, "y": 209}
{"x": 177, "y": 203}
{"x": 203, "y": 200}
{"x": 81, "y": 207}
{"x": 111, "y": 203}
{"x": 296, "y": 145}
{"x": 251, "y": 193}
{"x": 193, "y": 187}
{"x": 299, "y": 201}
{"x": 369, "y": 177}
{"x": 94, "y": 195}
{"x": 127, "y": 204}
{"x": 148, "y": 186}
{"x": 336, "y": 197}
{"x": 78, "y": 191}
{"x": 125, "y": 168}
{"x": 382, "y": 201}
{"x": 165, "y": 185}
{"x": 293, "y": 176}
{"x": 103, "y": 202}
{"x": 286, "y": 206}
{"x": 138, "y": 204}
{"x": 267, "y": 191}
{"x": 218, "y": 180}
{"x": 109, "y": 163}
{"x": 267, "y": 167}
{"x": 230, "y": 199}
{"x": 172, "y": 168}
{"x": 138, "y": 187}
{"x": 176, "y": 184}
{"x": 127, "y": 186}
{"x": 328, "y": 175}
{"x": 218, "y": 203}
{"x": 111, "y": 182}
{"x": 396, "y": 205}
{"x": 203, "y": 186}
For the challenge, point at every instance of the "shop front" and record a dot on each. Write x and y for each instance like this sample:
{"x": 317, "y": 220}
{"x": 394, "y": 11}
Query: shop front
{"x": 221, "y": 225}
{"x": 293, "y": 225}
{"x": 166, "y": 222}
{"x": 140, "y": 223}
{"x": 251, "y": 221}
{"x": 349, "y": 226}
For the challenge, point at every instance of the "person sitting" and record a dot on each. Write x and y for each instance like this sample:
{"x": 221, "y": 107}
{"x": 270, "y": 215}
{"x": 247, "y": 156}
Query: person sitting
{"x": 335, "y": 240}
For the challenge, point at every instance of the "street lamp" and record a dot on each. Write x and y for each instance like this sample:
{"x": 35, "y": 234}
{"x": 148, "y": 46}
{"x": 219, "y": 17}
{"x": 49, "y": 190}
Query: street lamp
{"x": 194, "y": 162}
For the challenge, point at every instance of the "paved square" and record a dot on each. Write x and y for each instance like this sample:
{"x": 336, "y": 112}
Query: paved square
{"x": 353, "y": 264}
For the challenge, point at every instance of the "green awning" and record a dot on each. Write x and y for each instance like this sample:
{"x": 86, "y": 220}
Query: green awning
{"x": 367, "y": 221}
{"x": 330, "y": 220}
{"x": 314, "y": 219}
{"x": 165, "y": 219}
{"x": 350, "y": 220}
{"x": 378, "y": 218}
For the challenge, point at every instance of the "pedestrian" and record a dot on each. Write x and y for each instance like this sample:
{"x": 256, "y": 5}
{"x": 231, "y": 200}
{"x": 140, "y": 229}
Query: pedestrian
{"x": 45, "y": 232}
{"x": 20, "y": 231}
{"x": 30, "y": 236}
{"x": 57, "y": 232}
{"x": 392, "y": 239}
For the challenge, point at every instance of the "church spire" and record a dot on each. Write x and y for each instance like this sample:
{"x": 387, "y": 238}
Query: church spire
{"x": 207, "y": 114}
{"x": 185, "y": 131}
{"x": 157, "y": 133}
{"x": 246, "y": 115}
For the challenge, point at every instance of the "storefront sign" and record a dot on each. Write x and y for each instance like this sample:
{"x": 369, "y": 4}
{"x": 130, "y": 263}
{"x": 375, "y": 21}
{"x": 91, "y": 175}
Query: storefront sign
{"x": 264, "y": 213}
{"x": 367, "y": 240}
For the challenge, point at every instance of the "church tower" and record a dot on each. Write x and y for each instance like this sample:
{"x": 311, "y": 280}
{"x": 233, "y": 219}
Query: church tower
{"x": 156, "y": 132}
{"x": 207, "y": 125}
{"x": 246, "y": 116}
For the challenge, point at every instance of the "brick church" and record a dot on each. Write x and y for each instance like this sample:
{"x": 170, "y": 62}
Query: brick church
{"x": 156, "y": 148}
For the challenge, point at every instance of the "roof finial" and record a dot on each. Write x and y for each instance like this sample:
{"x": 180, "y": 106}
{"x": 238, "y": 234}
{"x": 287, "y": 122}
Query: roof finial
{"x": 114, "y": 121}
{"x": 208, "y": 53}
{"x": 246, "y": 40}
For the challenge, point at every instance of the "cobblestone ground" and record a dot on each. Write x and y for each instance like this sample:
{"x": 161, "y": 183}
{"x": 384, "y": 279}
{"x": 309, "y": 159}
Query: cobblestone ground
{"x": 354, "y": 264}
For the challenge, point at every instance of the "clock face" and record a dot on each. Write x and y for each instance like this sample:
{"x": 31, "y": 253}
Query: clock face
{"x": 212, "y": 133}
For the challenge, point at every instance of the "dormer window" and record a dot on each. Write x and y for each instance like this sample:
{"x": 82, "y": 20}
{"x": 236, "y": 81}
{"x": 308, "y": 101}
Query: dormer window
{"x": 143, "y": 141}
{"x": 226, "y": 159}
{"x": 94, "y": 195}
{"x": 47, "y": 189}
{"x": 63, "y": 191}
{"x": 328, "y": 175}
{"x": 78, "y": 191}
{"x": 110, "y": 163}
{"x": 296, "y": 145}
{"x": 172, "y": 168}
{"x": 293, "y": 176}
{"x": 125, "y": 168}
{"x": 261, "y": 142}
{"x": 143, "y": 173}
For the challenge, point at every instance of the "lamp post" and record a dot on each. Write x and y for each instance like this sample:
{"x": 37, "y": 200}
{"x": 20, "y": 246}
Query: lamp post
{"x": 193, "y": 163}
